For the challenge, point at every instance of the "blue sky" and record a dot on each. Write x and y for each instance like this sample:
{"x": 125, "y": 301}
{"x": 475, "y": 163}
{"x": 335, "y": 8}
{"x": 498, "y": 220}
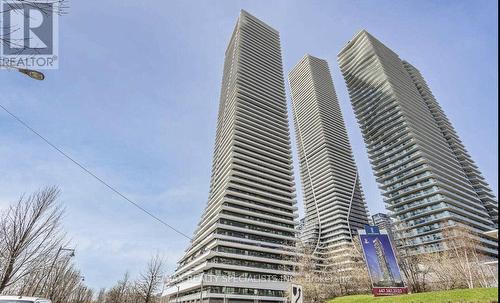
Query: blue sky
{"x": 136, "y": 94}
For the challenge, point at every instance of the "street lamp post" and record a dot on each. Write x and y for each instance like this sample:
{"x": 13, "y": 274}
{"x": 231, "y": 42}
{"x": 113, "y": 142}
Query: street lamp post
{"x": 34, "y": 74}
{"x": 72, "y": 254}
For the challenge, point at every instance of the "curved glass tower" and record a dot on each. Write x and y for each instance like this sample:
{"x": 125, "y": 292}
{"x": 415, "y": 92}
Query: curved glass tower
{"x": 333, "y": 198}
{"x": 242, "y": 248}
{"x": 428, "y": 179}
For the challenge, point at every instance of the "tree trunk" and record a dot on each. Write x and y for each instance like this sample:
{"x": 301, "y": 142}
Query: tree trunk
{"x": 6, "y": 276}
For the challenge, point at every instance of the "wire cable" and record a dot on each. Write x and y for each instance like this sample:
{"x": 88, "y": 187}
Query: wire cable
{"x": 135, "y": 204}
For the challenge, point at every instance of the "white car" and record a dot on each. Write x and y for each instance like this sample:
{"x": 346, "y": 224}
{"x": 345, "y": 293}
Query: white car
{"x": 21, "y": 299}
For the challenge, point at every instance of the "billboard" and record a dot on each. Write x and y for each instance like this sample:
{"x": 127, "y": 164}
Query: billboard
{"x": 381, "y": 262}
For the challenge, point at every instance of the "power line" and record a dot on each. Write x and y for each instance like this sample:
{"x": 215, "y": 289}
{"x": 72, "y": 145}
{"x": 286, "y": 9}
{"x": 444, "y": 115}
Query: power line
{"x": 92, "y": 174}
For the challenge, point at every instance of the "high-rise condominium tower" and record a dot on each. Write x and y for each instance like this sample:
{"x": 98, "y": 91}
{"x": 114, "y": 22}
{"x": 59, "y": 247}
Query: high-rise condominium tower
{"x": 333, "y": 198}
{"x": 428, "y": 179}
{"x": 383, "y": 222}
{"x": 242, "y": 247}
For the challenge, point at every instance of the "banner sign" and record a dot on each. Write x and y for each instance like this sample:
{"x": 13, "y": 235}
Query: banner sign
{"x": 382, "y": 264}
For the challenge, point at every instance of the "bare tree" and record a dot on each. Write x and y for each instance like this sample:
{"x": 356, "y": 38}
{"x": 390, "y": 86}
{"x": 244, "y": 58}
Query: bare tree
{"x": 101, "y": 296}
{"x": 459, "y": 265}
{"x": 462, "y": 256}
{"x": 81, "y": 294}
{"x": 309, "y": 275}
{"x": 415, "y": 269}
{"x": 30, "y": 231}
{"x": 58, "y": 7}
{"x": 337, "y": 273}
{"x": 354, "y": 278}
{"x": 31, "y": 237}
{"x": 121, "y": 292}
{"x": 443, "y": 275}
{"x": 150, "y": 281}
{"x": 58, "y": 284}
{"x": 64, "y": 281}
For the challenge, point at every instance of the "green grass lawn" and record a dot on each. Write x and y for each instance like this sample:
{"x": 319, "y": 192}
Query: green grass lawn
{"x": 477, "y": 295}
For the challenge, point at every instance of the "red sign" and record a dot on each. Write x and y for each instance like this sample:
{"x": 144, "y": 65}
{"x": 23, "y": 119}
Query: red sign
{"x": 389, "y": 291}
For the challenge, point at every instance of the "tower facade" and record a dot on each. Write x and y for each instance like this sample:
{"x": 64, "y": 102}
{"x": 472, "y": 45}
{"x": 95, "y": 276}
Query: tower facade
{"x": 428, "y": 180}
{"x": 242, "y": 247}
{"x": 383, "y": 222}
{"x": 333, "y": 198}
